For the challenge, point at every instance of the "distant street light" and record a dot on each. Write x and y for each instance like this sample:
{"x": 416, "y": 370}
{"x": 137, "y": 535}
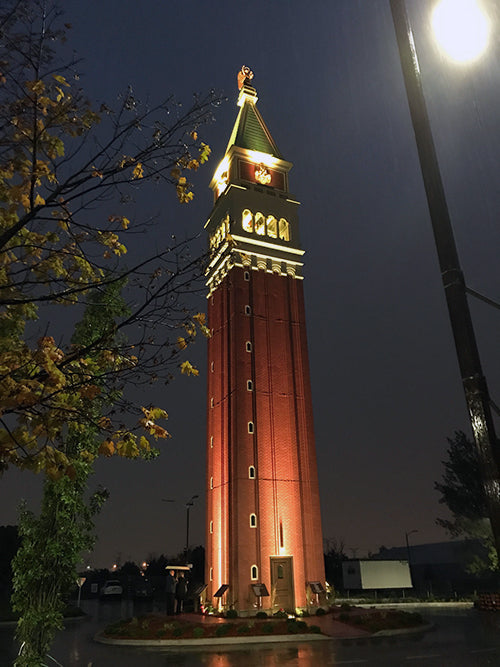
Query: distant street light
{"x": 189, "y": 504}
{"x": 474, "y": 382}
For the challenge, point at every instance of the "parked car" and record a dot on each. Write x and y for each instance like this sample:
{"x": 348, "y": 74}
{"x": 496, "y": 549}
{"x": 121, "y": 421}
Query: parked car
{"x": 111, "y": 587}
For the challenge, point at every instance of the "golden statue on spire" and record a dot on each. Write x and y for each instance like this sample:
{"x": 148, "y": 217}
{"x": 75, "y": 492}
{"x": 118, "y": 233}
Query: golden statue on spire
{"x": 245, "y": 74}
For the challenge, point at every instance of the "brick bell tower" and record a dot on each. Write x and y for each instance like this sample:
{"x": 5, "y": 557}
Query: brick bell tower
{"x": 264, "y": 545}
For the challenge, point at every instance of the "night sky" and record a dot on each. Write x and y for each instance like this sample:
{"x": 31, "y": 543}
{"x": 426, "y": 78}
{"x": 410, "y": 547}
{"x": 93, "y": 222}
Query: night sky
{"x": 385, "y": 380}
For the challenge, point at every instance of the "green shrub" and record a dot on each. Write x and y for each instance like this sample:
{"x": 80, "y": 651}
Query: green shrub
{"x": 231, "y": 613}
{"x": 344, "y": 616}
{"x": 291, "y": 627}
{"x": 198, "y": 632}
{"x": 315, "y": 628}
{"x": 345, "y": 606}
{"x": 261, "y": 614}
{"x": 242, "y": 629}
{"x": 114, "y": 629}
{"x": 268, "y": 628}
{"x": 222, "y": 629}
{"x": 177, "y": 632}
{"x": 280, "y": 614}
{"x": 320, "y": 611}
{"x": 301, "y": 625}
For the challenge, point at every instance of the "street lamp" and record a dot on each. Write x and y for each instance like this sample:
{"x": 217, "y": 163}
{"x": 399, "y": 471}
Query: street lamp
{"x": 474, "y": 382}
{"x": 189, "y": 504}
{"x": 461, "y": 28}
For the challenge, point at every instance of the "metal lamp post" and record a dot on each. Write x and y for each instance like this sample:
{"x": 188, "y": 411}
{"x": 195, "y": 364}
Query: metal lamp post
{"x": 189, "y": 504}
{"x": 474, "y": 382}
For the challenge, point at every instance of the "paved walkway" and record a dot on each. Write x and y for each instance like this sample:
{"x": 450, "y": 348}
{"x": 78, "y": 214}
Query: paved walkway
{"x": 329, "y": 626}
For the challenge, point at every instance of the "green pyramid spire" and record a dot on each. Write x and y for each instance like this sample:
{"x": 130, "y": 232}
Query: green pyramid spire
{"x": 249, "y": 130}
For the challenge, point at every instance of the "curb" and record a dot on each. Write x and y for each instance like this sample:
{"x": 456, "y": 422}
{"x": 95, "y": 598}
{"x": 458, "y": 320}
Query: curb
{"x": 208, "y": 641}
{"x": 260, "y": 639}
{"x": 66, "y": 621}
{"x": 417, "y": 605}
{"x": 404, "y": 631}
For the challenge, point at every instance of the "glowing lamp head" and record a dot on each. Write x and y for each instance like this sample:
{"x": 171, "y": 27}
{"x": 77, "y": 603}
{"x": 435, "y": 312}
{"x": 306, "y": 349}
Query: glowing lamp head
{"x": 461, "y": 28}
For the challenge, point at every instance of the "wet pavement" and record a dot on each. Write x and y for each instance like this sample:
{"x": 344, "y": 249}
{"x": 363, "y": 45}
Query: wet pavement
{"x": 462, "y": 638}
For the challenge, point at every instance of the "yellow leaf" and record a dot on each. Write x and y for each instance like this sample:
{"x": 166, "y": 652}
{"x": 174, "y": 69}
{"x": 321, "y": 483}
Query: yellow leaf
{"x": 87, "y": 456}
{"x": 144, "y": 444}
{"x": 200, "y": 318}
{"x": 107, "y": 448}
{"x": 181, "y": 343}
{"x": 60, "y": 79}
{"x": 188, "y": 369}
{"x": 205, "y": 151}
{"x": 138, "y": 171}
{"x": 39, "y": 200}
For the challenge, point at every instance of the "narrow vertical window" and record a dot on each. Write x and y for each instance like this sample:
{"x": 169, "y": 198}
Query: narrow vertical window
{"x": 253, "y": 520}
{"x": 284, "y": 229}
{"x": 251, "y": 472}
{"x": 211, "y": 574}
{"x": 247, "y": 220}
{"x": 212, "y": 367}
{"x": 250, "y": 427}
{"x": 211, "y": 441}
{"x": 272, "y": 226}
{"x": 249, "y": 346}
{"x": 281, "y": 534}
{"x": 260, "y": 224}
{"x": 254, "y": 572}
{"x": 249, "y": 385}
{"x": 211, "y": 526}
{"x": 211, "y": 482}
{"x": 248, "y": 310}
{"x": 246, "y": 275}
{"x": 212, "y": 402}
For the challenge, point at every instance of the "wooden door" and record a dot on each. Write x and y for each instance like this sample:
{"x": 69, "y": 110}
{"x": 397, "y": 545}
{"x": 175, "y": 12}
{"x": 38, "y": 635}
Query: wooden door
{"x": 282, "y": 584}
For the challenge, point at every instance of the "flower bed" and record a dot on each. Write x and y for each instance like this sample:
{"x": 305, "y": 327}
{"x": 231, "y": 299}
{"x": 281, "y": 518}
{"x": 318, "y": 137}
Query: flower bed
{"x": 375, "y": 620}
{"x": 156, "y": 626}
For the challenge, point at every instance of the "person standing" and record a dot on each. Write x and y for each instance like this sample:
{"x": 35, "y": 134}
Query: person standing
{"x": 180, "y": 593}
{"x": 170, "y": 588}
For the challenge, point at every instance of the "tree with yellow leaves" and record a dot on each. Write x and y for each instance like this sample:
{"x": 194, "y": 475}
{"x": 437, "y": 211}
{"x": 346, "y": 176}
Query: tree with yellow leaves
{"x": 64, "y": 394}
{"x": 59, "y": 159}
